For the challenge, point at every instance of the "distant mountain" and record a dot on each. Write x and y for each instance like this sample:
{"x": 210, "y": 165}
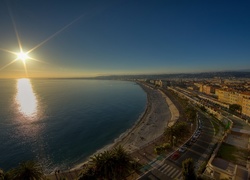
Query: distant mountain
{"x": 221, "y": 74}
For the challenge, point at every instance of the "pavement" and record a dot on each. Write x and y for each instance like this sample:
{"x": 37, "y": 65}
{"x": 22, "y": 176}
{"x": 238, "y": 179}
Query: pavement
{"x": 199, "y": 151}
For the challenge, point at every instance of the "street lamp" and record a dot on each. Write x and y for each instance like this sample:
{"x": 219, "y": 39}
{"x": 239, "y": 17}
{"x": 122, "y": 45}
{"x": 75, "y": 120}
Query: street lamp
{"x": 174, "y": 140}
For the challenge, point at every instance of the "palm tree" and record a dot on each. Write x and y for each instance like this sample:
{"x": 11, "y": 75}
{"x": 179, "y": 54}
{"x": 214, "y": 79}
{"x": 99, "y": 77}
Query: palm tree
{"x": 124, "y": 163}
{"x": 112, "y": 164}
{"x": 1, "y": 174}
{"x": 5, "y": 175}
{"x": 104, "y": 164}
{"x": 188, "y": 171}
{"x": 29, "y": 170}
{"x": 88, "y": 173}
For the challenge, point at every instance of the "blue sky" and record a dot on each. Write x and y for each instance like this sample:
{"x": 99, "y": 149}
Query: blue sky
{"x": 124, "y": 36}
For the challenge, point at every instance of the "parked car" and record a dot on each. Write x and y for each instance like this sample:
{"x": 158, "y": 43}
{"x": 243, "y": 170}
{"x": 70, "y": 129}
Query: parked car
{"x": 193, "y": 140}
{"x": 182, "y": 149}
{"x": 189, "y": 143}
{"x": 175, "y": 156}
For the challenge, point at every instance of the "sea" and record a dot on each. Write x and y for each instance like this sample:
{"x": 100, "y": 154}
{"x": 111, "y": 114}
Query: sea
{"x": 61, "y": 122}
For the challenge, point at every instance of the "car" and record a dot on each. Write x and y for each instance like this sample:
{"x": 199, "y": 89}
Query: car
{"x": 175, "y": 156}
{"x": 193, "y": 139}
{"x": 196, "y": 135}
{"x": 189, "y": 143}
{"x": 182, "y": 149}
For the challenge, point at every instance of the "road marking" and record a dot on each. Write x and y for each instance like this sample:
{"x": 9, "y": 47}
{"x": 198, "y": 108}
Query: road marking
{"x": 166, "y": 168}
{"x": 170, "y": 173}
{"x": 175, "y": 173}
{"x": 169, "y": 169}
{"x": 179, "y": 175}
{"x": 162, "y": 167}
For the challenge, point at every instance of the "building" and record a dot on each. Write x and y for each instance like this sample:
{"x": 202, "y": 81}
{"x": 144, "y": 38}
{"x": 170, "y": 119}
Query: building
{"x": 245, "y": 104}
{"x": 208, "y": 89}
{"x": 158, "y": 83}
{"x": 228, "y": 96}
{"x": 222, "y": 169}
{"x": 232, "y": 97}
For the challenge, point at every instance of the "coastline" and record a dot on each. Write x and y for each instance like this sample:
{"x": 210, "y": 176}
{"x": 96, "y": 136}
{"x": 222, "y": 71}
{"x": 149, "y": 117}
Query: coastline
{"x": 159, "y": 113}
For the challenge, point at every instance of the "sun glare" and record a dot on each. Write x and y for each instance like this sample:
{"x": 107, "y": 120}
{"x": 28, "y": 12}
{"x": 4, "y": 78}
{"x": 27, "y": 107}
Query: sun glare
{"x": 22, "y": 56}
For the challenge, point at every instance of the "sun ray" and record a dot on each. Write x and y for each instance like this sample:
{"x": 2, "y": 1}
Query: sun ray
{"x": 26, "y": 72}
{"x": 14, "y": 25}
{"x": 8, "y": 64}
{"x": 55, "y": 34}
{"x": 38, "y": 60}
{"x": 6, "y": 50}
{"x": 21, "y": 55}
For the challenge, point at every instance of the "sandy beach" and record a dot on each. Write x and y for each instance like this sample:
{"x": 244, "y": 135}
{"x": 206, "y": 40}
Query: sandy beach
{"x": 159, "y": 113}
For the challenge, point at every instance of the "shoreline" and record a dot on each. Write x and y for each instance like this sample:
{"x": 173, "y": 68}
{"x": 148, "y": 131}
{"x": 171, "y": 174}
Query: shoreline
{"x": 159, "y": 113}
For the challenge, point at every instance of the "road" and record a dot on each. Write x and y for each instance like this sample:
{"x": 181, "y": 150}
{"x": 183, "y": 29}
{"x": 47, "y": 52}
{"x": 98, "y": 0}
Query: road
{"x": 199, "y": 151}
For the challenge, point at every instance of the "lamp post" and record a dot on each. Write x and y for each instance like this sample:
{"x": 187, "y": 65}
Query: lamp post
{"x": 174, "y": 140}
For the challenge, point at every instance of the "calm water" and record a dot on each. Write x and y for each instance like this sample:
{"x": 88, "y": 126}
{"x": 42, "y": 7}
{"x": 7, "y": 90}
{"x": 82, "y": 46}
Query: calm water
{"x": 61, "y": 122}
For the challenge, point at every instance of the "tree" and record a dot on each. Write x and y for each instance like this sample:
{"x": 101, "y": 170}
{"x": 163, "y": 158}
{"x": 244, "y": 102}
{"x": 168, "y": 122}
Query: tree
{"x": 190, "y": 113}
{"x": 180, "y": 129}
{"x": 5, "y": 175}
{"x": 104, "y": 164}
{"x": 169, "y": 133}
{"x": 161, "y": 148}
{"x": 177, "y": 130}
{"x": 29, "y": 170}
{"x": 123, "y": 161}
{"x": 88, "y": 173}
{"x": 188, "y": 171}
{"x": 112, "y": 164}
{"x": 1, "y": 174}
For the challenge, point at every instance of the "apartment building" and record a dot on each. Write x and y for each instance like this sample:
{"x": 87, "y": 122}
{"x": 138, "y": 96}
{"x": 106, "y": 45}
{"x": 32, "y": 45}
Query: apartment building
{"x": 246, "y": 104}
{"x": 229, "y": 96}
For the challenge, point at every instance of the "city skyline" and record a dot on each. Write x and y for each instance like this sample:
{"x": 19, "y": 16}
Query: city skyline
{"x": 93, "y": 38}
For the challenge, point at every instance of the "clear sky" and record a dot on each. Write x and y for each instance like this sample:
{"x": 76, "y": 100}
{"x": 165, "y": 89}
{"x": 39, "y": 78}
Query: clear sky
{"x": 90, "y": 38}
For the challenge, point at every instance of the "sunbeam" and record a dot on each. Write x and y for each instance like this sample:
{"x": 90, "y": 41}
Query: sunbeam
{"x": 23, "y": 55}
{"x": 26, "y": 71}
{"x": 6, "y": 50}
{"x": 14, "y": 25}
{"x": 8, "y": 64}
{"x": 38, "y": 60}
{"x": 55, "y": 34}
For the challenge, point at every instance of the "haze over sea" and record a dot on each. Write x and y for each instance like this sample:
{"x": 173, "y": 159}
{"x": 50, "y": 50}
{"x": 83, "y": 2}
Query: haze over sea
{"x": 61, "y": 122}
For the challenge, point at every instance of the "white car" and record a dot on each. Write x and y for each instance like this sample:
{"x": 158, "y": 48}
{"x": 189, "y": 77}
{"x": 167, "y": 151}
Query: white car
{"x": 182, "y": 149}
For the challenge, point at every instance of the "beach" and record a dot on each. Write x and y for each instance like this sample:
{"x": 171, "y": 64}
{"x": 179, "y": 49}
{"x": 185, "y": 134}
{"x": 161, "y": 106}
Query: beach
{"x": 159, "y": 113}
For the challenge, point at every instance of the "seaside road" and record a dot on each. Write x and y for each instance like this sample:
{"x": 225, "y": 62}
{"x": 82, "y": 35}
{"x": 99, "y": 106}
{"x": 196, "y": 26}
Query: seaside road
{"x": 167, "y": 170}
{"x": 199, "y": 151}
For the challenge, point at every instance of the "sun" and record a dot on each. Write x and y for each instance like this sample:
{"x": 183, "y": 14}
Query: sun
{"x": 22, "y": 56}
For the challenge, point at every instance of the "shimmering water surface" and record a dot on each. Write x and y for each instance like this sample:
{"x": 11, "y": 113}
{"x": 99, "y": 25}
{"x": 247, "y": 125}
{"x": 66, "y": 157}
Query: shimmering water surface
{"x": 61, "y": 122}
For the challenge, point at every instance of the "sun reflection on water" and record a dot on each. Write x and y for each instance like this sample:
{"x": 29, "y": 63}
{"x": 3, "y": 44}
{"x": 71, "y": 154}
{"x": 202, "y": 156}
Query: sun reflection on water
{"x": 26, "y": 98}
